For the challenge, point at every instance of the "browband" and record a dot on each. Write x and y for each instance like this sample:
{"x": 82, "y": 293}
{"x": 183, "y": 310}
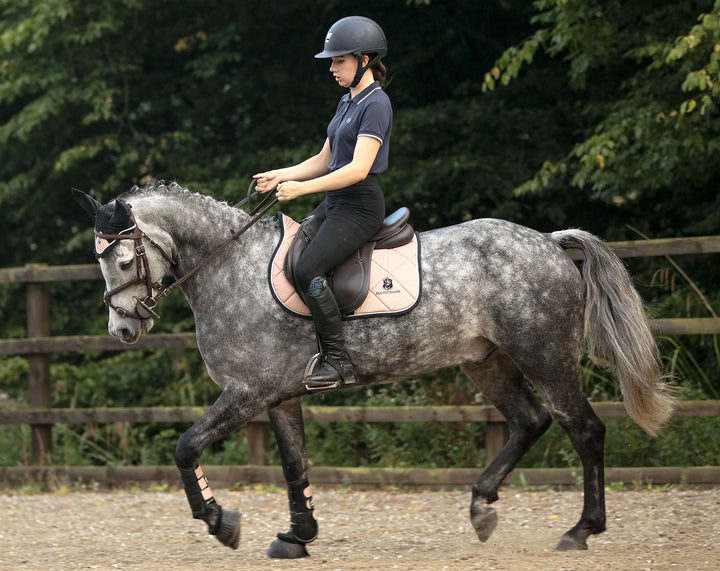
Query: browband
{"x": 105, "y": 242}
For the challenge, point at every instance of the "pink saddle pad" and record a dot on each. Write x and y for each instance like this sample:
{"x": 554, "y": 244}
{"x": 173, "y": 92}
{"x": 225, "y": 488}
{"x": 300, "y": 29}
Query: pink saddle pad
{"x": 394, "y": 278}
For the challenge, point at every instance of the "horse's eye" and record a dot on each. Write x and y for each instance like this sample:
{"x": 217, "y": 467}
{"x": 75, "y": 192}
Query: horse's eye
{"x": 125, "y": 265}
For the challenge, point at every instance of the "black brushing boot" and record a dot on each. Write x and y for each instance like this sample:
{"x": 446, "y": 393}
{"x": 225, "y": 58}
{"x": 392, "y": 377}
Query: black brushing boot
{"x": 223, "y": 524}
{"x": 303, "y": 525}
{"x": 335, "y": 366}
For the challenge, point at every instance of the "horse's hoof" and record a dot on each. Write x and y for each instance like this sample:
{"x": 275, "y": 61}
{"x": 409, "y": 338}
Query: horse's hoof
{"x": 280, "y": 549}
{"x": 229, "y": 532}
{"x": 484, "y": 519}
{"x": 571, "y": 543}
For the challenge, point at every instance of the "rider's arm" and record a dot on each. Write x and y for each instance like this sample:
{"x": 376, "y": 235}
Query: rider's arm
{"x": 366, "y": 149}
{"x": 314, "y": 167}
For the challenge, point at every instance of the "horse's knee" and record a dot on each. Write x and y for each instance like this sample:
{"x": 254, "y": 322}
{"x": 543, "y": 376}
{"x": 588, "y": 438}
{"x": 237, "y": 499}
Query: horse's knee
{"x": 599, "y": 430}
{"x": 186, "y": 454}
{"x": 598, "y": 434}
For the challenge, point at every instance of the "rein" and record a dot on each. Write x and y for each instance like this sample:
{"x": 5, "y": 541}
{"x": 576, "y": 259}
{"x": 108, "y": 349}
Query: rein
{"x": 144, "y": 308}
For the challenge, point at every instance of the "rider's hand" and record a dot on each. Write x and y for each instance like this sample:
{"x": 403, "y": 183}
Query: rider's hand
{"x": 267, "y": 181}
{"x": 289, "y": 190}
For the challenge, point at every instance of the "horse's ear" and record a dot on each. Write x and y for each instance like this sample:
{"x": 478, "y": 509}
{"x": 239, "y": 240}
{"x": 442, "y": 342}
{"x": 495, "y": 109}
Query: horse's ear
{"x": 88, "y": 203}
{"x": 122, "y": 214}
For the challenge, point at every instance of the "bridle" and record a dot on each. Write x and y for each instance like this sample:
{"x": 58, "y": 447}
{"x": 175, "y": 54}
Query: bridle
{"x": 145, "y": 306}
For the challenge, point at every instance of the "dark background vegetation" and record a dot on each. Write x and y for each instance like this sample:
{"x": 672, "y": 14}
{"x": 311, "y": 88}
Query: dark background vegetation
{"x": 600, "y": 115}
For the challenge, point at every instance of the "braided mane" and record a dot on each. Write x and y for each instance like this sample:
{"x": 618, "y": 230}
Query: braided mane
{"x": 173, "y": 189}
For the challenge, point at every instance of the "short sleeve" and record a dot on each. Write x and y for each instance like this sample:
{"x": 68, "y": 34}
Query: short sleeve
{"x": 376, "y": 121}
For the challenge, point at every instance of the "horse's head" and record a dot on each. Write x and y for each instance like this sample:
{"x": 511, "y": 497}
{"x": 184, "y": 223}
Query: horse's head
{"x": 132, "y": 263}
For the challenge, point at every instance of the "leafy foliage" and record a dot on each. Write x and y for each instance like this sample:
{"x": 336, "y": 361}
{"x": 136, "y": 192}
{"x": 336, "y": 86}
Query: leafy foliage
{"x": 645, "y": 78}
{"x": 602, "y": 115}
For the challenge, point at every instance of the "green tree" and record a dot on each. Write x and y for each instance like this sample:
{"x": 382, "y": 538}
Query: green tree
{"x": 107, "y": 94}
{"x": 645, "y": 77}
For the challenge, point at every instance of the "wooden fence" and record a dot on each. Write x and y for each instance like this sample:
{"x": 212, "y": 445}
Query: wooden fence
{"x": 40, "y": 416}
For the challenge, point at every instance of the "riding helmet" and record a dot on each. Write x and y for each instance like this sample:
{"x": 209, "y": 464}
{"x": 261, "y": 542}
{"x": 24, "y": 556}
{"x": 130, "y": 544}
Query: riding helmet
{"x": 355, "y": 35}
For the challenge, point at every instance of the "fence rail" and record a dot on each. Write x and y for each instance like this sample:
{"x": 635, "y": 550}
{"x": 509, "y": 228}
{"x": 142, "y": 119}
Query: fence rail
{"x": 463, "y": 413}
{"x": 258, "y": 452}
{"x": 359, "y": 478}
{"x": 39, "y": 344}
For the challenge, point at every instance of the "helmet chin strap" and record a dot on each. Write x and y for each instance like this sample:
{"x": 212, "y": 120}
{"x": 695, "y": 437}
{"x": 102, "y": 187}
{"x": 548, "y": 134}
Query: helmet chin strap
{"x": 362, "y": 69}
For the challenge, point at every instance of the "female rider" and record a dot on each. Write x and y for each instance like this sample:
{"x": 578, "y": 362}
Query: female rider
{"x": 346, "y": 168}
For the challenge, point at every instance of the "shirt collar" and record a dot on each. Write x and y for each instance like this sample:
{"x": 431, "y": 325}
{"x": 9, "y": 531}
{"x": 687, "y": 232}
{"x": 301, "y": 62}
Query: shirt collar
{"x": 364, "y": 93}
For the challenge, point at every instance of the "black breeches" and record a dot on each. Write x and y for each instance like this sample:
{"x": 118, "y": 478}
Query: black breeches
{"x": 351, "y": 217}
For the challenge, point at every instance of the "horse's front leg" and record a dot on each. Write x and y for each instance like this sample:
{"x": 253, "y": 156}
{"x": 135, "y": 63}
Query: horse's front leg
{"x": 287, "y": 423}
{"x": 227, "y": 414}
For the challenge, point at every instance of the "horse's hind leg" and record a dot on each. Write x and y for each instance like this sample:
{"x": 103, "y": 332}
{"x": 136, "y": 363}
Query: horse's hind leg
{"x": 503, "y": 384}
{"x": 587, "y": 434}
{"x": 555, "y": 377}
{"x": 287, "y": 423}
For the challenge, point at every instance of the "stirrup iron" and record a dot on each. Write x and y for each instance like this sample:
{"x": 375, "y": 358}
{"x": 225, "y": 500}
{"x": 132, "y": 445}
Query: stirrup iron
{"x": 311, "y": 365}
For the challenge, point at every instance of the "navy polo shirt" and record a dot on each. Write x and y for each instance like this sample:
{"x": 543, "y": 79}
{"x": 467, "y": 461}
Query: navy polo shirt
{"x": 367, "y": 114}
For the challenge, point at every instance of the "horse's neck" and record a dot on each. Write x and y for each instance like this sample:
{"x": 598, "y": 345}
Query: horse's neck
{"x": 196, "y": 227}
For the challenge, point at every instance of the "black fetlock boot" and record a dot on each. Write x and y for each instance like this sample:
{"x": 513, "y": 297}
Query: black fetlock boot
{"x": 335, "y": 366}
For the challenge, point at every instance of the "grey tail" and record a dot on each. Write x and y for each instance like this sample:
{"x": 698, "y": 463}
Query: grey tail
{"x": 617, "y": 332}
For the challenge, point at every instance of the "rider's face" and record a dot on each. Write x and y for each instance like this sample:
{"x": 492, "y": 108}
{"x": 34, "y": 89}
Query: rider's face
{"x": 344, "y": 68}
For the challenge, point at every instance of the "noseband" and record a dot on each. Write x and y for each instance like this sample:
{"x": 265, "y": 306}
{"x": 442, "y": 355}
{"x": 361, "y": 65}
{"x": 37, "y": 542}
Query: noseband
{"x": 145, "y": 307}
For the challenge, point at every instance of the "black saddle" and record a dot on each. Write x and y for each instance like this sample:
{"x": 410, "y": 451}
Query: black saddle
{"x": 350, "y": 280}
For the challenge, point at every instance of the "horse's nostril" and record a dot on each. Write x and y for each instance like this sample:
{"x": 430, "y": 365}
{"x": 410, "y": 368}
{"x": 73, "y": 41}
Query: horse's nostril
{"x": 128, "y": 336}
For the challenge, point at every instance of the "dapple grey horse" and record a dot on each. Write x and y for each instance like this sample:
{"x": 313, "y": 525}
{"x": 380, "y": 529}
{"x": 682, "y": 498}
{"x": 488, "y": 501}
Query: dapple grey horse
{"x": 502, "y": 301}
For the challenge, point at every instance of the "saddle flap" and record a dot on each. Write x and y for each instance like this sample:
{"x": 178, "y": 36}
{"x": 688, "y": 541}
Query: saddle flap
{"x": 350, "y": 280}
{"x": 306, "y": 232}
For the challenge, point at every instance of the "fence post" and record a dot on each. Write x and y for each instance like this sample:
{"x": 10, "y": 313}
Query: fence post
{"x": 38, "y": 325}
{"x": 258, "y": 439}
{"x": 496, "y": 435}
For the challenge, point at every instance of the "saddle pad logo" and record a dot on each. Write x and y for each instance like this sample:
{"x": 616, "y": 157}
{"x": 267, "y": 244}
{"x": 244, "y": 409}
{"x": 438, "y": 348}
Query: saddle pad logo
{"x": 387, "y": 283}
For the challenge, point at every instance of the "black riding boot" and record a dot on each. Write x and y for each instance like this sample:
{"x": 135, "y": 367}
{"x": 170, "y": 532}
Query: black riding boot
{"x": 335, "y": 365}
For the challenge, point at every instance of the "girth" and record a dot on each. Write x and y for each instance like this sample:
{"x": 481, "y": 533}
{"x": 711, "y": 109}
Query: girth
{"x": 350, "y": 281}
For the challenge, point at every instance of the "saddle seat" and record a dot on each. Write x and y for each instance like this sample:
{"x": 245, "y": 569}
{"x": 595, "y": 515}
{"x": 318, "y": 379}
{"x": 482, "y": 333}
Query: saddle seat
{"x": 350, "y": 280}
